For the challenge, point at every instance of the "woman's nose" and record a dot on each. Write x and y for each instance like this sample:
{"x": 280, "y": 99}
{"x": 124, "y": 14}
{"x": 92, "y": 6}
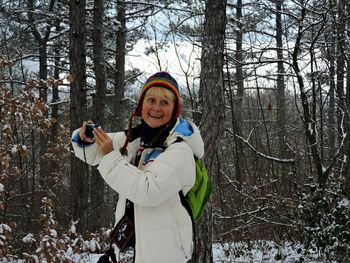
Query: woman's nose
{"x": 157, "y": 106}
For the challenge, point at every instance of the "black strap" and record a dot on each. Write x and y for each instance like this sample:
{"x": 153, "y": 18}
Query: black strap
{"x": 188, "y": 208}
{"x": 108, "y": 254}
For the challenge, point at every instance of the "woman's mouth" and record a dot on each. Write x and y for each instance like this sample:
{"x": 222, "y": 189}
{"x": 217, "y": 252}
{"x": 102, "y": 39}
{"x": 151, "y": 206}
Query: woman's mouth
{"x": 155, "y": 116}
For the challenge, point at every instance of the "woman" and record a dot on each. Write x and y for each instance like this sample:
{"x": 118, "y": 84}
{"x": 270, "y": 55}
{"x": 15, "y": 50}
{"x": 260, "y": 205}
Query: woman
{"x": 149, "y": 165}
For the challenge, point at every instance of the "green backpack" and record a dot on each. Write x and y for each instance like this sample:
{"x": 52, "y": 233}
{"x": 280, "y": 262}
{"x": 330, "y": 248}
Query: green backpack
{"x": 199, "y": 194}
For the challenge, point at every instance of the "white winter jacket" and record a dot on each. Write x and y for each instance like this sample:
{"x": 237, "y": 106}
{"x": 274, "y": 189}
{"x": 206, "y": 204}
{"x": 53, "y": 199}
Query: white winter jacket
{"x": 163, "y": 227}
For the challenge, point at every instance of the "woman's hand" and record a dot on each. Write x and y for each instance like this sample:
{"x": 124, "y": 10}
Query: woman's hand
{"x": 105, "y": 143}
{"x": 82, "y": 135}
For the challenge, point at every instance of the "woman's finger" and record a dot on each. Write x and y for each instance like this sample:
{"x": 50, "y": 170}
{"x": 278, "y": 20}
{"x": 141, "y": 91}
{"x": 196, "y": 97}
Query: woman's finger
{"x": 101, "y": 133}
{"x": 97, "y": 134}
{"x": 98, "y": 139}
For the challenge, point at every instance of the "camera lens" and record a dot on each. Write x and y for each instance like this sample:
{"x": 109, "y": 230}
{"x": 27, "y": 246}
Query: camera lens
{"x": 88, "y": 130}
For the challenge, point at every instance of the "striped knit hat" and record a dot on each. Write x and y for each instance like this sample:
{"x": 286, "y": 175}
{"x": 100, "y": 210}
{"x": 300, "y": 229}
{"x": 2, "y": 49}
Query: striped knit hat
{"x": 160, "y": 79}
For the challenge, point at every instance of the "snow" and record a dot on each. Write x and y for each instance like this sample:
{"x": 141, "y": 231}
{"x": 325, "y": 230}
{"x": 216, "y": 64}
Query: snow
{"x": 53, "y": 233}
{"x": 4, "y": 228}
{"x": 14, "y": 149}
{"x": 73, "y": 229}
{"x": 260, "y": 252}
{"x": 28, "y": 238}
{"x": 69, "y": 251}
{"x": 2, "y": 187}
{"x": 94, "y": 245}
{"x": 344, "y": 203}
{"x": 309, "y": 127}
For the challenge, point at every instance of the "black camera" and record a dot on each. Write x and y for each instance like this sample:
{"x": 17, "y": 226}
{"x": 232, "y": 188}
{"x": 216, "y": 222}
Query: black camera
{"x": 89, "y": 129}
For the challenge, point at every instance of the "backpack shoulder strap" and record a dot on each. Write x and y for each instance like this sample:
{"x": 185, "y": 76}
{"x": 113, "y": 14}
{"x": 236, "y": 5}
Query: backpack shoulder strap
{"x": 188, "y": 208}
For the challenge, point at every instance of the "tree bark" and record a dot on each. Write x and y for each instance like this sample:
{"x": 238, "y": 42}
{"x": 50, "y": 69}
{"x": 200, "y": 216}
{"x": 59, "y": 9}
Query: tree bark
{"x": 77, "y": 56}
{"x": 308, "y": 106}
{"x": 212, "y": 100}
{"x": 238, "y": 109}
{"x": 331, "y": 49}
{"x": 55, "y": 91}
{"x": 281, "y": 100}
{"x": 97, "y": 183}
{"x": 41, "y": 40}
{"x": 347, "y": 102}
{"x": 239, "y": 66}
{"x": 119, "y": 76}
{"x": 341, "y": 62}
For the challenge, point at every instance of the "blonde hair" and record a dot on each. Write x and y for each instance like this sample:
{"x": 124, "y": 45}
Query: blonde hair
{"x": 157, "y": 90}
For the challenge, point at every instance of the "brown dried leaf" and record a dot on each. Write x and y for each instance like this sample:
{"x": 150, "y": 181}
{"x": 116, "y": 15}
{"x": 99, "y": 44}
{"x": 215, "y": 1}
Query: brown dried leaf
{"x": 69, "y": 77}
{"x": 24, "y": 151}
{"x": 16, "y": 171}
{"x": 32, "y": 83}
{"x": 54, "y": 120}
{"x": 13, "y": 224}
{"x": 40, "y": 104}
{"x": 2, "y": 205}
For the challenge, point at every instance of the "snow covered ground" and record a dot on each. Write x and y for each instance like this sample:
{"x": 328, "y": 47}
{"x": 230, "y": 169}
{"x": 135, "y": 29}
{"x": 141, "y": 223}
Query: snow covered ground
{"x": 256, "y": 252}
{"x": 260, "y": 252}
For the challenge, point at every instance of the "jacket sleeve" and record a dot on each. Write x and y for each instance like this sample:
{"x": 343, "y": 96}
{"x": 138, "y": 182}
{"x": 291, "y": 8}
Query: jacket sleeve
{"x": 89, "y": 153}
{"x": 170, "y": 172}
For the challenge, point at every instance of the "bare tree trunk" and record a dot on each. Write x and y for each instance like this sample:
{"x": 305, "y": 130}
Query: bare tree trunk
{"x": 330, "y": 38}
{"x": 53, "y": 164}
{"x": 42, "y": 43}
{"x": 342, "y": 109}
{"x": 55, "y": 92}
{"x": 97, "y": 183}
{"x": 238, "y": 103}
{"x": 309, "y": 111}
{"x": 239, "y": 66}
{"x": 212, "y": 99}
{"x": 77, "y": 56}
{"x": 309, "y": 122}
{"x": 119, "y": 67}
{"x": 347, "y": 102}
{"x": 281, "y": 99}
{"x": 238, "y": 146}
{"x": 341, "y": 62}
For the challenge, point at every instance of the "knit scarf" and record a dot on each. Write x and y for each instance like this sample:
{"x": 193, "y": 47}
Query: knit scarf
{"x": 152, "y": 137}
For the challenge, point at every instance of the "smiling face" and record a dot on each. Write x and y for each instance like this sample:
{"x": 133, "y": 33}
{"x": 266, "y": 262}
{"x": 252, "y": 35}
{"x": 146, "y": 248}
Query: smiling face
{"x": 158, "y": 106}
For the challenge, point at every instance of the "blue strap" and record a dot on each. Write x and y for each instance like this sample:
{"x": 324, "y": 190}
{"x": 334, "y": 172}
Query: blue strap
{"x": 81, "y": 142}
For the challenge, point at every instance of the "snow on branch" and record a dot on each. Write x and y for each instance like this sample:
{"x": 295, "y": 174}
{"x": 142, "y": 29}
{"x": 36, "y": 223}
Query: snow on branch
{"x": 271, "y": 158}
{"x": 327, "y": 170}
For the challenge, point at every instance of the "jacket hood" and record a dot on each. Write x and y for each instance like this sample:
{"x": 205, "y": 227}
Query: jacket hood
{"x": 189, "y": 133}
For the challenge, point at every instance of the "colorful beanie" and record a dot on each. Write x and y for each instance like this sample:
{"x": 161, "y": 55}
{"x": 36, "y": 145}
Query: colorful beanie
{"x": 160, "y": 79}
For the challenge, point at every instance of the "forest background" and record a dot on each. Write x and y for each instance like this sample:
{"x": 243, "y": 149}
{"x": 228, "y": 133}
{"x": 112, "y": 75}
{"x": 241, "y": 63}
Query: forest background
{"x": 268, "y": 83}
